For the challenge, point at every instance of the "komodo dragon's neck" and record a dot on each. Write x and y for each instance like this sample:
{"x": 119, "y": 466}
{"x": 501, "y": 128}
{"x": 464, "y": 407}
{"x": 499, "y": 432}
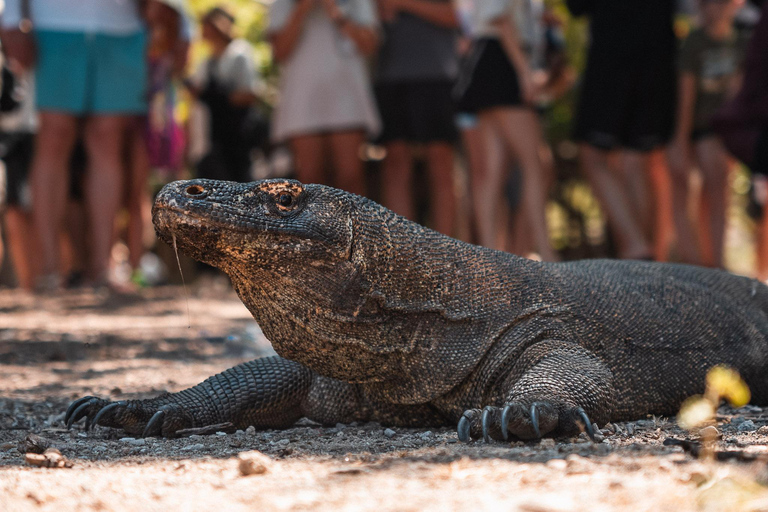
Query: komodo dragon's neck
{"x": 408, "y": 316}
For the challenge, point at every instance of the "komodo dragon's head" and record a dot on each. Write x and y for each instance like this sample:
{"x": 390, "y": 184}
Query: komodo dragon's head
{"x": 336, "y": 282}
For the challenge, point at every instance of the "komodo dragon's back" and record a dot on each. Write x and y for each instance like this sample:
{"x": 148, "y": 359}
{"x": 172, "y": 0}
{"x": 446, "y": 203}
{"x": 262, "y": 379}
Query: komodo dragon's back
{"x": 377, "y": 318}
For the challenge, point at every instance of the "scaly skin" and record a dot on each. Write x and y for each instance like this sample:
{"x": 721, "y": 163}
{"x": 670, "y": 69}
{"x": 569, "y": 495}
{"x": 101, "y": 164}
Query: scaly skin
{"x": 377, "y": 318}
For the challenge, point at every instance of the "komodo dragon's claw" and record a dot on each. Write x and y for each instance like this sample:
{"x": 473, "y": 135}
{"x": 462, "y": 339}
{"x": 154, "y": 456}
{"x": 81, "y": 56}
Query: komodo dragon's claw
{"x": 79, "y": 409}
{"x": 155, "y": 425}
{"x": 588, "y": 428}
{"x": 74, "y": 405}
{"x": 535, "y": 420}
{"x": 463, "y": 429}
{"x": 104, "y": 410}
{"x": 486, "y": 424}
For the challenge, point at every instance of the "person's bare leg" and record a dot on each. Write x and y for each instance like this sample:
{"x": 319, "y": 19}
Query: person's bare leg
{"x": 49, "y": 181}
{"x": 521, "y": 132}
{"x": 397, "y": 179}
{"x": 687, "y": 240}
{"x": 487, "y": 184}
{"x": 636, "y": 170}
{"x": 610, "y": 191}
{"x": 661, "y": 187}
{"x": 440, "y": 159}
{"x": 22, "y": 246}
{"x": 137, "y": 202}
{"x": 348, "y": 167}
{"x": 309, "y": 157}
{"x": 715, "y": 169}
{"x": 474, "y": 147}
{"x": 104, "y": 137}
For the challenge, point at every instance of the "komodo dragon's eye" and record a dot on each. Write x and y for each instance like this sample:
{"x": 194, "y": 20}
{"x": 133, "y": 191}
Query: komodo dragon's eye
{"x": 285, "y": 200}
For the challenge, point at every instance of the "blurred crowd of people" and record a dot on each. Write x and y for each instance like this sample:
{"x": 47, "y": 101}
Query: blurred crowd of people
{"x": 91, "y": 90}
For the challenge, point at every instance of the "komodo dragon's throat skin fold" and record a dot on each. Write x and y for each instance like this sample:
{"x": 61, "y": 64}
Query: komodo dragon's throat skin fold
{"x": 377, "y": 318}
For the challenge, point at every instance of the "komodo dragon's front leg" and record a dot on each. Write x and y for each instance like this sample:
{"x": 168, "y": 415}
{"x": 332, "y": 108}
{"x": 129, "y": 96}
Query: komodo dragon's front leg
{"x": 271, "y": 392}
{"x": 553, "y": 389}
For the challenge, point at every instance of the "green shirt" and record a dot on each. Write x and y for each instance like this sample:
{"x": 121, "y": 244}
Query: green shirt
{"x": 714, "y": 63}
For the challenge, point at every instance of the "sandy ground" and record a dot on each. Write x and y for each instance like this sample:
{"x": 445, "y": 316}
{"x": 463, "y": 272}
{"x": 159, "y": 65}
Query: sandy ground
{"x": 55, "y": 349}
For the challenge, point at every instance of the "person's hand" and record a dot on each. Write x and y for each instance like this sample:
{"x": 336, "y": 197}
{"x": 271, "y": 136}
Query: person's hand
{"x": 527, "y": 88}
{"x": 388, "y": 9}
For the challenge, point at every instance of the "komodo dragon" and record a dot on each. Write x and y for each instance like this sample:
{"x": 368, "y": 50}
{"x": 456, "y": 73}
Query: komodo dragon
{"x": 377, "y": 318}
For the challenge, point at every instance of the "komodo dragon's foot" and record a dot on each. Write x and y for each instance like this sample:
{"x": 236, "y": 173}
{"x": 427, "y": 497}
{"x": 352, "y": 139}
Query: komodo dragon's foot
{"x": 524, "y": 421}
{"x": 145, "y": 417}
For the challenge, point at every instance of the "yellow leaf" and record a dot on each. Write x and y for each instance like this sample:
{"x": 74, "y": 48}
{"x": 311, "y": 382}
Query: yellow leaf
{"x": 727, "y": 383}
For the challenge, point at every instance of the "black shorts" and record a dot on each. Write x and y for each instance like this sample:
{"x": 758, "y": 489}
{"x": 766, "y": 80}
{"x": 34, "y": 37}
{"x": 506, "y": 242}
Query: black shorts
{"x": 416, "y": 111}
{"x": 630, "y": 105}
{"x": 16, "y": 150}
{"x": 487, "y": 79}
{"x": 760, "y": 162}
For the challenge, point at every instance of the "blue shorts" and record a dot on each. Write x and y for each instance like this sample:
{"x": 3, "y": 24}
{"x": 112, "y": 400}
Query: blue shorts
{"x": 85, "y": 73}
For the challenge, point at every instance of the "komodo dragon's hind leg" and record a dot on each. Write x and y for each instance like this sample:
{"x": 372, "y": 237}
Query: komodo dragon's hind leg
{"x": 271, "y": 392}
{"x": 553, "y": 390}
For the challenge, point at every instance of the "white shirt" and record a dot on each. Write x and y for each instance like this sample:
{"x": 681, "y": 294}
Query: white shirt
{"x": 235, "y": 69}
{"x": 324, "y": 83}
{"x": 526, "y": 16}
{"x": 111, "y": 17}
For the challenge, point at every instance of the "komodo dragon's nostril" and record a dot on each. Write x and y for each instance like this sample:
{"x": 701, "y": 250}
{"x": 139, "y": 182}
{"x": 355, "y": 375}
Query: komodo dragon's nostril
{"x": 194, "y": 190}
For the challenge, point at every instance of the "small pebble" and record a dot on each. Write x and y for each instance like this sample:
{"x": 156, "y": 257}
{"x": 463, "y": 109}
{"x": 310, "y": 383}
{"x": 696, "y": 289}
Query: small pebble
{"x": 191, "y": 447}
{"x": 747, "y": 426}
{"x": 738, "y": 420}
{"x": 763, "y": 430}
{"x": 426, "y": 435}
{"x": 221, "y": 433}
{"x": 127, "y": 439}
{"x": 253, "y": 463}
{"x": 709, "y": 432}
{"x": 241, "y": 432}
{"x": 631, "y": 429}
{"x": 547, "y": 443}
{"x": 284, "y": 442}
{"x": 389, "y": 433}
{"x": 250, "y": 431}
{"x": 340, "y": 426}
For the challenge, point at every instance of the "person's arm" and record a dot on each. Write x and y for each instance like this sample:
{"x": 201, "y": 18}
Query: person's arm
{"x": 511, "y": 44}
{"x": 438, "y": 13}
{"x": 366, "y": 38}
{"x": 284, "y": 40}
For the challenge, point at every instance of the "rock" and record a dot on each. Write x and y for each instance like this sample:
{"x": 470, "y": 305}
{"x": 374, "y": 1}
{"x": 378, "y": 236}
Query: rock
{"x": 50, "y": 458}
{"x": 426, "y": 435}
{"x": 547, "y": 443}
{"x": 747, "y": 426}
{"x": 631, "y": 429}
{"x": 709, "y": 432}
{"x": 34, "y": 444}
{"x": 253, "y": 463}
{"x": 763, "y": 430}
{"x": 192, "y": 447}
{"x": 284, "y": 442}
{"x": 250, "y": 431}
{"x": 738, "y": 420}
{"x": 389, "y": 433}
{"x": 340, "y": 426}
{"x": 221, "y": 433}
{"x": 127, "y": 439}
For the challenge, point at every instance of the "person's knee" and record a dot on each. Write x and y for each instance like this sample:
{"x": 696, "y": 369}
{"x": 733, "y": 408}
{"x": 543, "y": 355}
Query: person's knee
{"x": 56, "y": 134}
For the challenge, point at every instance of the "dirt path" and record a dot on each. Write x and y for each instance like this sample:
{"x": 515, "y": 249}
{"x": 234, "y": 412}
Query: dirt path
{"x": 53, "y": 350}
